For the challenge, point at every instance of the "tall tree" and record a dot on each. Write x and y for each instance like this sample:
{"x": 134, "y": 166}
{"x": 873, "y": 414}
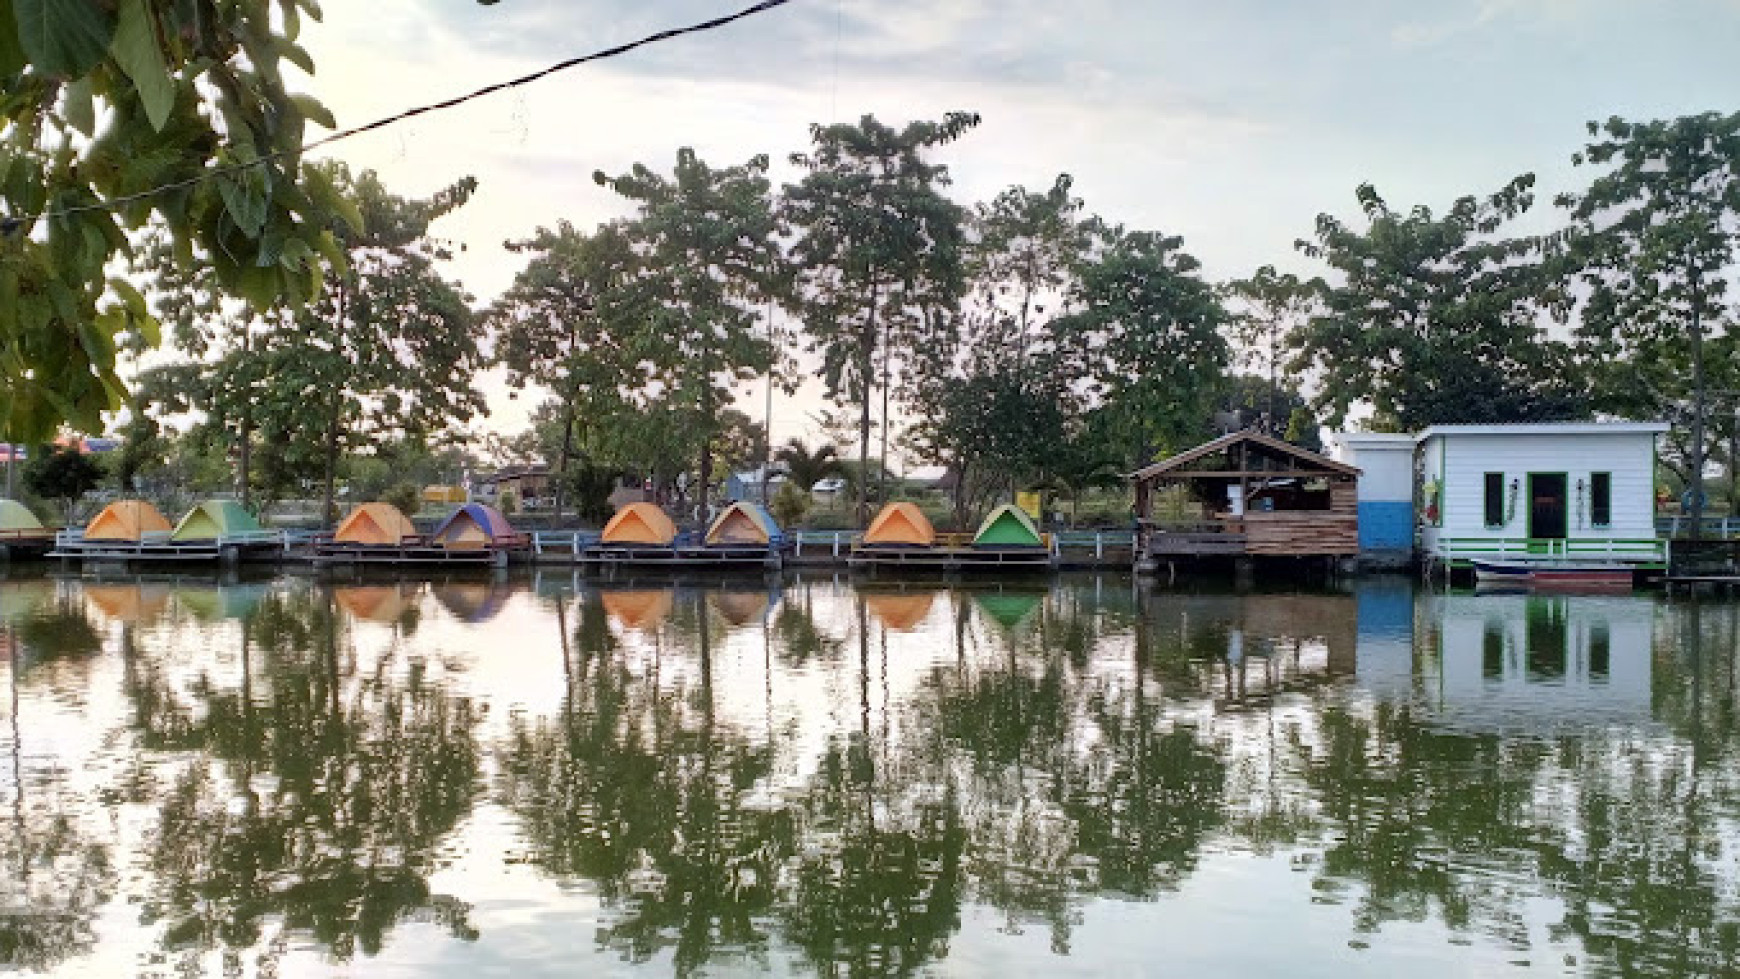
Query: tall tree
{"x": 187, "y": 95}
{"x": 710, "y": 259}
{"x": 1658, "y": 235}
{"x": 877, "y": 245}
{"x": 1148, "y": 340}
{"x": 1435, "y": 318}
{"x": 567, "y": 324}
{"x": 1270, "y": 308}
{"x": 390, "y": 345}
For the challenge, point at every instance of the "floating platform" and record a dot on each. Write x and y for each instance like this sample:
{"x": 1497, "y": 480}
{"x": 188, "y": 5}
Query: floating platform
{"x": 25, "y": 544}
{"x": 157, "y": 548}
{"x": 685, "y": 556}
{"x": 948, "y": 558}
{"x": 409, "y": 555}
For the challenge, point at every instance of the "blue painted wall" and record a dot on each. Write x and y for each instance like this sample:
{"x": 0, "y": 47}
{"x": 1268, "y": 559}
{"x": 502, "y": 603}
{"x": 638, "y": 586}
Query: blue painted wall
{"x": 1386, "y": 525}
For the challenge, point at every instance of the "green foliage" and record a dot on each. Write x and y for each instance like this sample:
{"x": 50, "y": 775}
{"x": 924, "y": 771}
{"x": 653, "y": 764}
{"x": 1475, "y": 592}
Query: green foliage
{"x": 878, "y": 247}
{"x": 790, "y": 504}
{"x": 63, "y": 474}
{"x": 404, "y": 495}
{"x": 1271, "y": 308}
{"x": 709, "y": 255}
{"x": 508, "y": 502}
{"x": 1655, "y": 239}
{"x": 1437, "y": 318}
{"x": 591, "y": 486}
{"x": 183, "y": 91}
{"x": 805, "y": 468}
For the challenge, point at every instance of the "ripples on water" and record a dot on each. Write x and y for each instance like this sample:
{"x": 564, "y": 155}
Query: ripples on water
{"x": 541, "y": 776}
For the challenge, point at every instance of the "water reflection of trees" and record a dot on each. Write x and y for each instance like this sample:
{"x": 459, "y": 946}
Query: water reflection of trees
{"x": 317, "y": 795}
{"x": 55, "y": 871}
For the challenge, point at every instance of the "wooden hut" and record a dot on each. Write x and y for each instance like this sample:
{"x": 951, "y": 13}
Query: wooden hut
{"x": 1252, "y": 495}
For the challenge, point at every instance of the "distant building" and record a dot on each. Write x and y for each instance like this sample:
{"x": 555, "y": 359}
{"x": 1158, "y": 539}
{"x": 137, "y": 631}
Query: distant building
{"x": 747, "y": 485}
{"x": 531, "y": 484}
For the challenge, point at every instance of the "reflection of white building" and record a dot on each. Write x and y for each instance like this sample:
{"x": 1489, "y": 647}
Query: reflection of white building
{"x": 1525, "y": 663}
{"x": 1538, "y": 663}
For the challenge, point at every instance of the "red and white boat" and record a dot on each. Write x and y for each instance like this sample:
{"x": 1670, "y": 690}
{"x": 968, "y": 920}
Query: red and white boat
{"x": 1553, "y": 573}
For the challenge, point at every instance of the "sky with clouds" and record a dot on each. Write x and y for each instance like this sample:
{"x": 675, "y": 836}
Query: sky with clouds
{"x": 1233, "y": 124}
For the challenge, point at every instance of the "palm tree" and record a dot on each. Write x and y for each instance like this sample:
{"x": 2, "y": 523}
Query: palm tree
{"x": 807, "y": 468}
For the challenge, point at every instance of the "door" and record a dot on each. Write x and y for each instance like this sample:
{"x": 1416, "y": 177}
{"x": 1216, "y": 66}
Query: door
{"x": 1547, "y": 506}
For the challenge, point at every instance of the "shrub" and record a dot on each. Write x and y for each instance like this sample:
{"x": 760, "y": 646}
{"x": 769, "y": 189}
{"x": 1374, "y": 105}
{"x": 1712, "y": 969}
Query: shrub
{"x": 790, "y": 504}
{"x": 406, "y": 496}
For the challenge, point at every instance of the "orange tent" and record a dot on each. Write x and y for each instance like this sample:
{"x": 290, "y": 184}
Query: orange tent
{"x": 901, "y": 523}
{"x": 375, "y": 523}
{"x": 900, "y": 611}
{"x": 637, "y": 609}
{"x": 373, "y": 603}
{"x": 127, "y": 520}
{"x": 640, "y": 523}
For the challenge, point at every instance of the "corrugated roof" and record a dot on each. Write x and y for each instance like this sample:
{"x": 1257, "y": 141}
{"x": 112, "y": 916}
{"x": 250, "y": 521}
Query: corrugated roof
{"x": 1547, "y": 428}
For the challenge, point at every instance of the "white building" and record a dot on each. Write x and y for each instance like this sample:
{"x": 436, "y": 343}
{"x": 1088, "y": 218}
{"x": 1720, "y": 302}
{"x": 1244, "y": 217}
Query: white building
{"x": 1577, "y": 489}
{"x": 1386, "y": 494}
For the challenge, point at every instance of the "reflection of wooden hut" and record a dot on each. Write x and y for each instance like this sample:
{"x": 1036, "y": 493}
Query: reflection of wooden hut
{"x": 643, "y": 609}
{"x": 1255, "y": 496}
{"x": 900, "y": 611}
{"x": 739, "y": 608}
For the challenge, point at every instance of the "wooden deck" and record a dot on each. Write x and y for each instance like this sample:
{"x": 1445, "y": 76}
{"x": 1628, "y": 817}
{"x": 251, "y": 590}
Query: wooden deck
{"x": 685, "y": 557}
{"x": 964, "y": 559}
{"x": 157, "y": 548}
{"x": 407, "y": 555}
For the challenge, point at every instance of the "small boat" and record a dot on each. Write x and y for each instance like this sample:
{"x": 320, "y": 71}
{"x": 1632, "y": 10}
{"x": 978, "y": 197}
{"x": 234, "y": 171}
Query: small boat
{"x": 1549, "y": 573}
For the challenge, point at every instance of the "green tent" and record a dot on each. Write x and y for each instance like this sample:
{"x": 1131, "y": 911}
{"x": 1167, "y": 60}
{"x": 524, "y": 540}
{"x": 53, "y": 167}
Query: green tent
{"x": 213, "y": 519}
{"x": 1007, "y": 526}
{"x": 16, "y": 518}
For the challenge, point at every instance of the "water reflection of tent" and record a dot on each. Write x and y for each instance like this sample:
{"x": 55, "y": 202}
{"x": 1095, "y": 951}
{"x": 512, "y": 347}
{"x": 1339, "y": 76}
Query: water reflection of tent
{"x": 132, "y": 602}
{"x": 1007, "y": 526}
{"x": 900, "y": 611}
{"x": 213, "y": 602}
{"x": 126, "y": 520}
{"x": 744, "y": 524}
{"x": 1007, "y": 609}
{"x": 640, "y": 523}
{"x": 740, "y": 607}
{"x": 20, "y": 598}
{"x": 475, "y": 526}
{"x": 372, "y": 603}
{"x": 900, "y": 524}
{"x": 375, "y": 523}
{"x": 639, "y": 609}
{"x": 213, "y": 519}
{"x": 473, "y": 601}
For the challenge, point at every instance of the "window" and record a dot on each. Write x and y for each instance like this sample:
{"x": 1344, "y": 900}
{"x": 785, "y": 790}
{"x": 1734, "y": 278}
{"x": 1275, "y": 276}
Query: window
{"x": 1495, "y": 499}
{"x": 1601, "y": 499}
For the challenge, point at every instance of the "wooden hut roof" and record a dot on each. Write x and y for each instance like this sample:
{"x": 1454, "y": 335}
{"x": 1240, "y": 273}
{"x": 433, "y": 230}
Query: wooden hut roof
{"x": 1306, "y": 462}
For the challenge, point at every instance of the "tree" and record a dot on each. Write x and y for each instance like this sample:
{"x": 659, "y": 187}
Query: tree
{"x": 1657, "y": 236}
{"x": 391, "y": 345}
{"x": 62, "y": 473}
{"x": 568, "y": 323}
{"x": 189, "y": 96}
{"x": 878, "y": 244}
{"x": 1271, "y": 309}
{"x": 710, "y": 256}
{"x": 805, "y": 468}
{"x": 1148, "y": 342}
{"x": 1436, "y": 318}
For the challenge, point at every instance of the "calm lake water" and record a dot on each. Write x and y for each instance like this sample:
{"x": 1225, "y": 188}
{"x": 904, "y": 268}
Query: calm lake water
{"x": 540, "y": 776}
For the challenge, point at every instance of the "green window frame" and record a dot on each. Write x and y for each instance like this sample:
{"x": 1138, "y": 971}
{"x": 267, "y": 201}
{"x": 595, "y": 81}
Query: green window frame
{"x": 1600, "y": 499}
{"x": 1494, "y": 500}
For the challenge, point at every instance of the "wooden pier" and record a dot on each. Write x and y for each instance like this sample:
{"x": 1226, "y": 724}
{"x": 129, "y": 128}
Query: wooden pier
{"x": 408, "y": 555}
{"x": 158, "y": 548}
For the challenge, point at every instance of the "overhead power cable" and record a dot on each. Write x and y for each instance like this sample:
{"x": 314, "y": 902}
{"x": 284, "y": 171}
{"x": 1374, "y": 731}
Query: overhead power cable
{"x": 382, "y": 123}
